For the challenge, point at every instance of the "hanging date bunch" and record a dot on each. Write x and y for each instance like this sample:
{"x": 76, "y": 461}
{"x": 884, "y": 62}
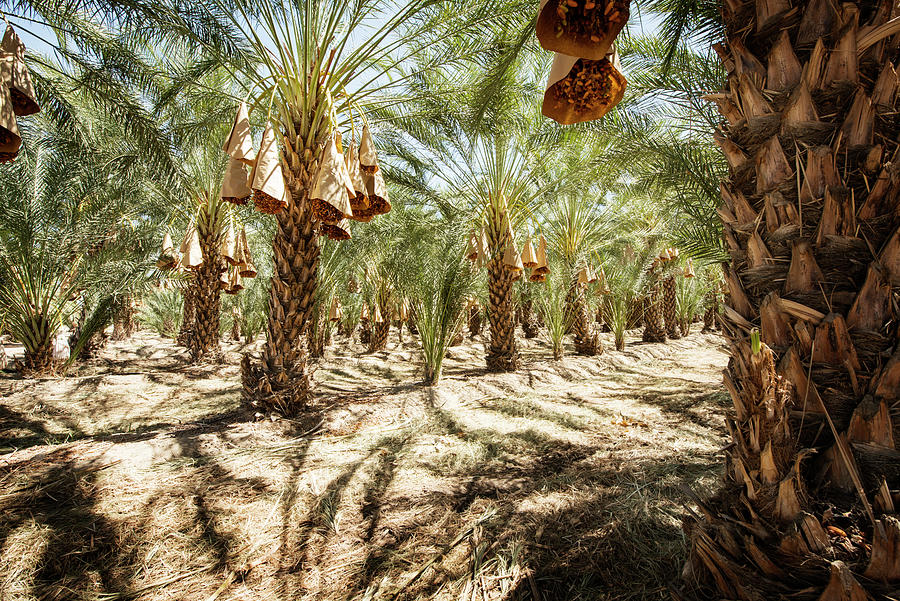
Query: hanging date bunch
{"x": 581, "y": 28}
{"x": 17, "y": 98}
{"x": 581, "y": 89}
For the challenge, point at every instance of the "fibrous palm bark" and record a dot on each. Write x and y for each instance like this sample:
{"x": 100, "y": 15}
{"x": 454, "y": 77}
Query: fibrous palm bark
{"x": 587, "y": 340}
{"x": 279, "y": 382}
{"x": 187, "y": 315}
{"x": 653, "y": 327}
{"x": 712, "y": 309}
{"x": 474, "y": 321}
{"x": 809, "y": 211}
{"x": 379, "y": 337}
{"x": 527, "y": 318}
{"x": 207, "y": 291}
{"x": 670, "y": 307}
{"x": 503, "y": 354}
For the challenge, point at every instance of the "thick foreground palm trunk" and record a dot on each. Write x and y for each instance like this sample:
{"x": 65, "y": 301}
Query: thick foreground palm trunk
{"x": 503, "y": 354}
{"x": 810, "y": 212}
{"x": 279, "y": 381}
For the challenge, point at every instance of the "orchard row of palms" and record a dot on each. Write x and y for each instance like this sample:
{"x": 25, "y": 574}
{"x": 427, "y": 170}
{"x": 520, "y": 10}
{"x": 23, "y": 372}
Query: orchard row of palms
{"x": 800, "y": 210}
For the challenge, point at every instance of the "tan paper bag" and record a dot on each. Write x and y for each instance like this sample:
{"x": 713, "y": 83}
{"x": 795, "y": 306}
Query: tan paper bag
{"x": 337, "y": 231}
{"x": 582, "y": 90}
{"x": 586, "y": 29}
{"x": 247, "y": 270}
{"x": 529, "y": 259}
{"x": 15, "y": 76}
{"x": 239, "y": 144}
{"x": 192, "y": 257}
{"x": 332, "y": 188}
{"x": 236, "y": 185}
{"x": 270, "y": 195}
{"x": 10, "y": 140}
{"x": 360, "y": 201}
{"x": 542, "y": 267}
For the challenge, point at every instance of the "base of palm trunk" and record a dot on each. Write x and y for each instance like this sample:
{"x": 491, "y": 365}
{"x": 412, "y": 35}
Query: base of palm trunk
{"x": 379, "y": 337}
{"x": 589, "y": 346}
{"x": 38, "y": 362}
{"x": 669, "y": 308}
{"x": 268, "y": 389}
{"x": 503, "y": 362}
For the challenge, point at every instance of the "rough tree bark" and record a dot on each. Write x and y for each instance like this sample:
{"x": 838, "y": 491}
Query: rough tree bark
{"x": 587, "y": 340}
{"x": 670, "y": 307}
{"x": 810, "y": 218}
{"x": 279, "y": 381}
{"x": 653, "y": 328}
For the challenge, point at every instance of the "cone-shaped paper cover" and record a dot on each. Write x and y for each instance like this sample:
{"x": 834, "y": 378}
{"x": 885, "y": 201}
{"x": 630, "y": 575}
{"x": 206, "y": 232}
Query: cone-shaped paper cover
{"x": 248, "y": 270}
{"x": 337, "y": 231}
{"x": 368, "y": 157}
{"x": 14, "y": 74}
{"x": 193, "y": 255}
{"x": 10, "y": 140}
{"x": 529, "y": 258}
{"x": 361, "y": 200}
{"x": 511, "y": 259}
{"x": 239, "y": 144}
{"x": 227, "y": 248}
{"x": 186, "y": 241}
{"x": 689, "y": 269}
{"x": 336, "y": 312}
{"x": 167, "y": 258}
{"x": 332, "y": 189}
{"x": 225, "y": 280}
{"x": 237, "y": 251}
{"x": 592, "y": 275}
{"x": 542, "y": 267}
{"x": 378, "y": 317}
{"x": 583, "y": 276}
{"x": 379, "y": 203}
{"x": 236, "y": 185}
{"x": 472, "y": 247}
{"x": 168, "y": 248}
{"x": 560, "y": 103}
{"x": 364, "y": 313}
{"x": 593, "y": 38}
{"x": 673, "y": 253}
{"x": 267, "y": 179}
{"x": 235, "y": 281}
{"x": 538, "y": 277}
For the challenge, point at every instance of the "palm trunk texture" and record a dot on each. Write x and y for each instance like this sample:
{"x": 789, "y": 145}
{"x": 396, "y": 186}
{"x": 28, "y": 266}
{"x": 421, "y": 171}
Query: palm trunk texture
{"x": 653, "y": 327}
{"x": 279, "y": 381}
{"x": 207, "y": 297}
{"x": 670, "y": 307}
{"x": 587, "y": 340}
{"x": 503, "y": 354}
{"x": 810, "y": 214}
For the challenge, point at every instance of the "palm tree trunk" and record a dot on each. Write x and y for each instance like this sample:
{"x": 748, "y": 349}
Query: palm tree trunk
{"x": 474, "y": 321}
{"x": 207, "y": 297}
{"x": 365, "y": 332}
{"x": 38, "y": 357}
{"x": 653, "y": 328}
{"x": 528, "y": 319}
{"x": 587, "y": 340}
{"x": 670, "y": 307}
{"x": 187, "y": 316}
{"x": 279, "y": 381}
{"x": 379, "y": 337}
{"x": 809, "y": 213}
{"x": 503, "y": 355}
{"x": 712, "y": 309}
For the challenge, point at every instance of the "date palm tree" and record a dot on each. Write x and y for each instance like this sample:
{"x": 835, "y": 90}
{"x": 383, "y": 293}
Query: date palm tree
{"x": 806, "y": 209}
{"x": 318, "y": 65}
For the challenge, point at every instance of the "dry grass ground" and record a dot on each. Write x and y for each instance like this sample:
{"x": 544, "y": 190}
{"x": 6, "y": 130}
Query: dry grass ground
{"x": 140, "y": 477}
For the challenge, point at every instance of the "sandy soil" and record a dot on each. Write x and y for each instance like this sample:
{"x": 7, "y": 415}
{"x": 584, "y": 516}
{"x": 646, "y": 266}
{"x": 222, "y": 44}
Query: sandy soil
{"x": 140, "y": 477}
